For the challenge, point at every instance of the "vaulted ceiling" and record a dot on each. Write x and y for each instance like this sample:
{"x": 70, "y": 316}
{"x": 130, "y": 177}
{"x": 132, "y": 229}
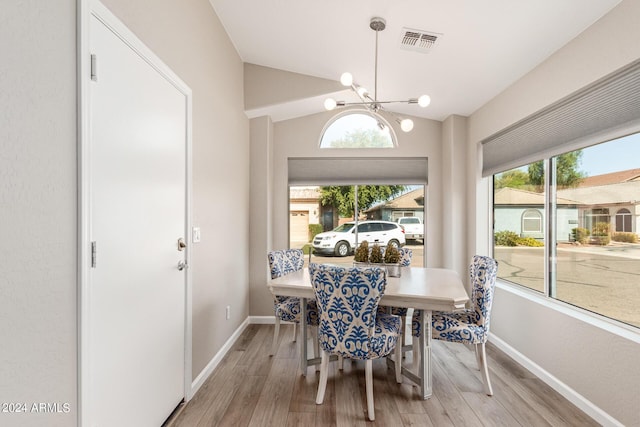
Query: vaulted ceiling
{"x": 482, "y": 46}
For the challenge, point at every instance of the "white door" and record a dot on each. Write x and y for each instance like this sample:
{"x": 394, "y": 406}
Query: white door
{"x": 138, "y": 122}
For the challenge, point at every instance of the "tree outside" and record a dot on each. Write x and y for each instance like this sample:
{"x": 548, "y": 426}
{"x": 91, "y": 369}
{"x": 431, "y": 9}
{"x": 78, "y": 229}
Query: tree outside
{"x": 568, "y": 174}
{"x": 342, "y": 197}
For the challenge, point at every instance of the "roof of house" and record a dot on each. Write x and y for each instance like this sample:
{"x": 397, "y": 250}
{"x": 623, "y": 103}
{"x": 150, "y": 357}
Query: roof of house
{"x": 623, "y": 192}
{"x": 514, "y": 196}
{"x": 611, "y": 178}
{"x": 304, "y": 193}
{"x": 411, "y": 200}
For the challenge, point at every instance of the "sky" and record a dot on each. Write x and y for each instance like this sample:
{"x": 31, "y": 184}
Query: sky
{"x": 614, "y": 156}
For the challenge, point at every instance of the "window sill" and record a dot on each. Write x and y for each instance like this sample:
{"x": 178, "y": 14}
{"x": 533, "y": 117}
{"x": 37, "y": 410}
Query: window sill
{"x": 609, "y": 325}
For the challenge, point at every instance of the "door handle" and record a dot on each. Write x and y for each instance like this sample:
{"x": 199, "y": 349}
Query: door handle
{"x": 182, "y": 265}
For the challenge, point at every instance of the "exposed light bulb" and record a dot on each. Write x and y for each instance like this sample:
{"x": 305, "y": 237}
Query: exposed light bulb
{"x": 424, "y": 100}
{"x": 406, "y": 125}
{"x": 362, "y": 91}
{"x": 346, "y": 79}
{"x": 330, "y": 104}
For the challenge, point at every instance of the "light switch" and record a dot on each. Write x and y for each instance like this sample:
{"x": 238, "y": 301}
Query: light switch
{"x": 195, "y": 234}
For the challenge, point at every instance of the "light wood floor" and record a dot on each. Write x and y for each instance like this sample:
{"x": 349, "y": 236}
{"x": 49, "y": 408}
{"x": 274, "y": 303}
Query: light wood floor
{"x": 249, "y": 388}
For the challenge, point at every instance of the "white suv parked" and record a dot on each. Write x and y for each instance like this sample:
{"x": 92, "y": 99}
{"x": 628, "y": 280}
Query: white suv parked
{"x": 341, "y": 241}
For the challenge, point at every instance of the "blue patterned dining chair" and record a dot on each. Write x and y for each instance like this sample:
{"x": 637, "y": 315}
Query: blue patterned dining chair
{"x": 406, "y": 255}
{"x": 471, "y": 325}
{"x": 350, "y": 325}
{"x": 287, "y": 309}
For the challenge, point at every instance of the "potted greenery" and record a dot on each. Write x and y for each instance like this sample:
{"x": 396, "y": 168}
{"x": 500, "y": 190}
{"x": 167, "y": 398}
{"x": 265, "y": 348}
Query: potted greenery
{"x": 375, "y": 257}
{"x": 392, "y": 261}
{"x": 361, "y": 256}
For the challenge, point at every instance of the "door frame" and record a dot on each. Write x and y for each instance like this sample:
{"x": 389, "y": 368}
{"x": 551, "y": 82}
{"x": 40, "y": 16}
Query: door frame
{"x": 85, "y": 10}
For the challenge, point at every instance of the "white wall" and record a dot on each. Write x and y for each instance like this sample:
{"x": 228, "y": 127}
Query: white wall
{"x": 190, "y": 39}
{"x": 38, "y": 209}
{"x": 577, "y": 353}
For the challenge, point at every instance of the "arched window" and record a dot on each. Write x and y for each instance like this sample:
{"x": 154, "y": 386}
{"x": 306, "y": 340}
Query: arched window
{"x": 356, "y": 129}
{"x": 623, "y": 220}
{"x": 531, "y": 221}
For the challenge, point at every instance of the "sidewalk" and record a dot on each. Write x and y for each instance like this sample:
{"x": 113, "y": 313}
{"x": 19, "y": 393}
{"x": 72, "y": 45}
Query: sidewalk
{"x": 618, "y": 249}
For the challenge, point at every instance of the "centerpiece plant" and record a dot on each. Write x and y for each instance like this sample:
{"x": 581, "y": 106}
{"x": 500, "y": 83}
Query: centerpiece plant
{"x": 392, "y": 261}
{"x": 375, "y": 257}
{"x": 391, "y": 255}
{"x": 362, "y": 252}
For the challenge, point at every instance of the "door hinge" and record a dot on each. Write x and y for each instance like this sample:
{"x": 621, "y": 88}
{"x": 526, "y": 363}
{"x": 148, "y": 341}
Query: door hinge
{"x": 94, "y": 67}
{"x": 94, "y": 250}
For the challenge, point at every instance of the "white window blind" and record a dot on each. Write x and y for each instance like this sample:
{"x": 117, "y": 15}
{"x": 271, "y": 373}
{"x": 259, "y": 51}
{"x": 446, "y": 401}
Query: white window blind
{"x": 357, "y": 171}
{"x": 607, "y": 109}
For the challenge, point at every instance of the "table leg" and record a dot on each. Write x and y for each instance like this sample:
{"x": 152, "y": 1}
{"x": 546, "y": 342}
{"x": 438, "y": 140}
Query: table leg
{"x": 303, "y": 336}
{"x": 425, "y": 350}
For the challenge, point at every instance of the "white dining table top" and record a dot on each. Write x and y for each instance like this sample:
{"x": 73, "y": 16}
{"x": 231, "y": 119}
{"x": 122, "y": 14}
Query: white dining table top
{"x": 420, "y": 288}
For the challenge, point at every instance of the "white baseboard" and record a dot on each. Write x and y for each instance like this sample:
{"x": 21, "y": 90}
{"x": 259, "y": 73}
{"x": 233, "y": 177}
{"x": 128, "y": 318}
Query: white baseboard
{"x": 570, "y": 394}
{"x": 208, "y": 370}
{"x": 262, "y": 320}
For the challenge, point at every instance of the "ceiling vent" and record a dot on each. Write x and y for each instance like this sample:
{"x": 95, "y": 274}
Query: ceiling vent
{"x": 418, "y": 40}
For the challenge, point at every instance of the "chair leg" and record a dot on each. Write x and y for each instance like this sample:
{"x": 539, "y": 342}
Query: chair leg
{"x": 316, "y": 344}
{"x": 484, "y": 369}
{"x": 368, "y": 377}
{"x": 398, "y": 363}
{"x": 294, "y": 332}
{"x": 340, "y": 363}
{"x": 276, "y": 332}
{"x": 324, "y": 373}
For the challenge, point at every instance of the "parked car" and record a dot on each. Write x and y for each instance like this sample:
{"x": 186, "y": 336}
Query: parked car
{"x": 413, "y": 227}
{"x": 341, "y": 241}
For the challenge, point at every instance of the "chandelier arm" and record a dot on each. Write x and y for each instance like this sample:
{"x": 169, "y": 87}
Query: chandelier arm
{"x": 343, "y": 103}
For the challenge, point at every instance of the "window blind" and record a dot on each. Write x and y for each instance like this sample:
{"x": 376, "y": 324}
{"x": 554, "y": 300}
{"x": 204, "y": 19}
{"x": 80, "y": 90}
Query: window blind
{"x": 607, "y": 109}
{"x": 357, "y": 171}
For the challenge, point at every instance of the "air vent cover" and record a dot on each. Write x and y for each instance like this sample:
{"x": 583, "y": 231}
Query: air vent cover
{"x": 418, "y": 40}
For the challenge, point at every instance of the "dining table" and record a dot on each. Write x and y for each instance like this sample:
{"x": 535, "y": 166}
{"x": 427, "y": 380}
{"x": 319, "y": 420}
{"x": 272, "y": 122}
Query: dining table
{"x": 425, "y": 289}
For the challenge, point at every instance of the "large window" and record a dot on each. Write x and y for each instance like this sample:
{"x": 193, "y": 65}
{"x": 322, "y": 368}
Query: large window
{"x": 322, "y": 220}
{"x": 585, "y": 204}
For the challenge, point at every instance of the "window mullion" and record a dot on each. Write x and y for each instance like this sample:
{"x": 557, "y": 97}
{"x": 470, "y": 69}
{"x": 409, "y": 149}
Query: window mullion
{"x": 550, "y": 228}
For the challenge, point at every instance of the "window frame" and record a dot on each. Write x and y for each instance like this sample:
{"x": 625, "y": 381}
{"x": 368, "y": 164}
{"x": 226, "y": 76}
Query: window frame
{"x": 362, "y": 112}
{"x": 623, "y": 217}
{"x": 538, "y": 218}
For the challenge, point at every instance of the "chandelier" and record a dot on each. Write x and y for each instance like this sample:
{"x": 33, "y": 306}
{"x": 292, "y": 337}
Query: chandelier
{"x": 373, "y": 105}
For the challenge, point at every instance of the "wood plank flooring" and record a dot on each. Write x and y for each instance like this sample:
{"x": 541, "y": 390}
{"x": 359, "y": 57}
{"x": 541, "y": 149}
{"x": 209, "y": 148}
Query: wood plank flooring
{"x": 250, "y": 388}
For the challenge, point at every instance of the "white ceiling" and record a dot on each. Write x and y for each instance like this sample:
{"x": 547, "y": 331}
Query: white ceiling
{"x": 485, "y": 45}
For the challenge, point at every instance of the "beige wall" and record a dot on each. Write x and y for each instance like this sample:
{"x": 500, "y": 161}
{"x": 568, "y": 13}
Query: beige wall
{"x": 582, "y": 355}
{"x": 38, "y": 209}
{"x": 189, "y": 38}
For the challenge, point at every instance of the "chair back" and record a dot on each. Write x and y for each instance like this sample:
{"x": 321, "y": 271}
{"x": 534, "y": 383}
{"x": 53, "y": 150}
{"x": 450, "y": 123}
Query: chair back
{"x": 347, "y": 299}
{"x": 483, "y": 271}
{"x": 285, "y": 261}
{"x": 405, "y": 257}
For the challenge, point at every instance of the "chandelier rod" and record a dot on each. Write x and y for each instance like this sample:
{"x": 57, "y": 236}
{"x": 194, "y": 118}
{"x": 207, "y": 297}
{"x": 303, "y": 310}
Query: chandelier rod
{"x": 375, "y": 85}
